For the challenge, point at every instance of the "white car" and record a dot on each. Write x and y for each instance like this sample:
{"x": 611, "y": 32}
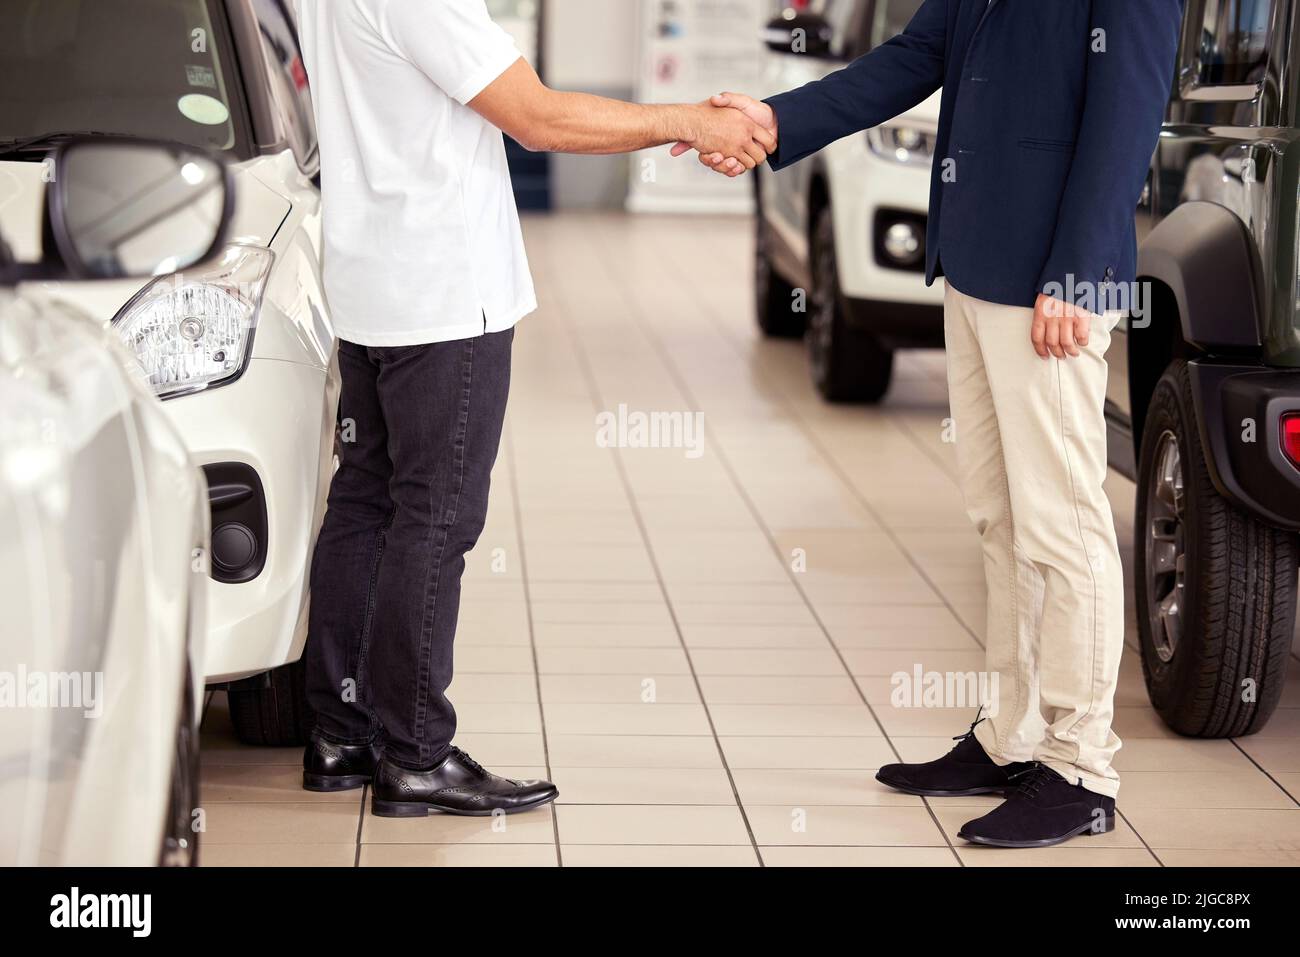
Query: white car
{"x": 841, "y": 236}
{"x": 103, "y": 527}
{"x": 241, "y": 349}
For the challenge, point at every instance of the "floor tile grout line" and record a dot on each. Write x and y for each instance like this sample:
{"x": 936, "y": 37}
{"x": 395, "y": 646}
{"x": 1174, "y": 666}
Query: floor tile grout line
{"x": 688, "y": 394}
{"x": 361, "y": 823}
{"x": 594, "y": 392}
{"x": 1124, "y": 818}
{"x": 1264, "y": 771}
{"x": 513, "y": 465}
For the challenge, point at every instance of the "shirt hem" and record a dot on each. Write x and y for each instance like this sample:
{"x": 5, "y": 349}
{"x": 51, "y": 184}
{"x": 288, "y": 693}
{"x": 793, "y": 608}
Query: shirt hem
{"x": 424, "y": 337}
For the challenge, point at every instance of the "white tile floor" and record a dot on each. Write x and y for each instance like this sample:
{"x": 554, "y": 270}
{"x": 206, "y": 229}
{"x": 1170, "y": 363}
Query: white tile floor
{"x": 634, "y": 627}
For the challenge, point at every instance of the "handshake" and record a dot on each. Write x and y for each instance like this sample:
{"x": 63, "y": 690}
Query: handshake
{"x": 734, "y": 133}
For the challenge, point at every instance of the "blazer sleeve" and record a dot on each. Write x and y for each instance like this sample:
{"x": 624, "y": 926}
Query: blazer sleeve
{"x": 878, "y": 86}
{"x": 1125, "y": 99}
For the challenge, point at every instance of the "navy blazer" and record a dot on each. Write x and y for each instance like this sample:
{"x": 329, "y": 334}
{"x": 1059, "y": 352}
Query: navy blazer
{"x": 1050, "y": 114}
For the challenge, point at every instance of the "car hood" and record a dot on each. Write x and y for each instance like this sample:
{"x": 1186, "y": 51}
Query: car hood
{"x": 258, "y": 213}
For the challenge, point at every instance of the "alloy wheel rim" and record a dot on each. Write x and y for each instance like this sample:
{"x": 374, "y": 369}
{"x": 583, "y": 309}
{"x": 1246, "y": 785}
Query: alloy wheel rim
{"x": 1166, "y": 551}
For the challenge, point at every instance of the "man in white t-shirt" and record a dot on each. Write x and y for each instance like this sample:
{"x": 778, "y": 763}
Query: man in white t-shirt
{"x": 426, "y": 276}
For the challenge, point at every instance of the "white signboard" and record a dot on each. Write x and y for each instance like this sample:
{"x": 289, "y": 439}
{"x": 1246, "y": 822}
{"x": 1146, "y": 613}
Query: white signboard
{"x": 689, "y": 50}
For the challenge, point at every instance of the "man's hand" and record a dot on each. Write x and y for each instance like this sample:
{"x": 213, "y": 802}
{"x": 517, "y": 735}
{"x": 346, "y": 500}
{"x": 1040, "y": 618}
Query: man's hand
{"x": 1060, "y": 328}
{"x": 756, "y": 111}
{"x": 731, "y": 134}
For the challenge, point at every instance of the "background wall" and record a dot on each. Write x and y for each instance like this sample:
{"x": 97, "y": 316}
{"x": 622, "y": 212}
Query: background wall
{"x": 590, "y": 46}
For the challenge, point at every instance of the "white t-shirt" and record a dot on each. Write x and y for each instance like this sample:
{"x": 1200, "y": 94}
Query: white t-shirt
{"x": 422, "y": 237}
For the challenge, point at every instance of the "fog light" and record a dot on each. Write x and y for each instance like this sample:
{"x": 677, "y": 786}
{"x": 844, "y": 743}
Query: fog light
{"x": 903, "y": 243}
{"x": 234, "y": 546}
{"x": 1291, "y": 437}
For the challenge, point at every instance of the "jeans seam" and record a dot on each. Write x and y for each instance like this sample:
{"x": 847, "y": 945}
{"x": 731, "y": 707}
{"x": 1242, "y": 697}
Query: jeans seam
{"x": 363, "y": 654}
{"x": 434, "y": 580}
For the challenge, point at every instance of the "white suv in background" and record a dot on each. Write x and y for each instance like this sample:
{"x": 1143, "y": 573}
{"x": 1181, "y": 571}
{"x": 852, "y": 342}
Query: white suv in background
{"x": 239, "y": 349}
{"x": 847, "y": 226}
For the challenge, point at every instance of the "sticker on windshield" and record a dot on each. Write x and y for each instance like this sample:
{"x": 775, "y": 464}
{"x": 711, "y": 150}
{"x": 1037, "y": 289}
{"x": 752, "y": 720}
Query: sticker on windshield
{"x": 204, "y": 109}
{"x": 201, "y": 76}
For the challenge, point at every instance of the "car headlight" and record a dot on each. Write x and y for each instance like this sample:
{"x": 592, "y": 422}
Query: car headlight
{"x": 193, "y": 331}
{"x": 903, "y": 144}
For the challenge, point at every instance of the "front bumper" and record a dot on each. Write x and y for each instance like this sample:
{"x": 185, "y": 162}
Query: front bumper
{"x": 867, "y": 195}
{"x": 278, "y": 420}
{"x": 898, "y": 325}
{"x": 1239, "y": 409}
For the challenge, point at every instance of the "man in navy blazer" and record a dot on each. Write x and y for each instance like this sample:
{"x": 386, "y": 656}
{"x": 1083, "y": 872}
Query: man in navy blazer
{"x": 1050, "y": 113}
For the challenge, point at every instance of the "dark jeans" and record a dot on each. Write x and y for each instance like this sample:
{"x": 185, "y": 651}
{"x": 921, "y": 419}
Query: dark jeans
{"x": 408, "y": 502}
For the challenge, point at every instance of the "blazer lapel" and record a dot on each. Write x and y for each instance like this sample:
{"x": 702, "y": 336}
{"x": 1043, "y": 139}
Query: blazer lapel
{"x": 984, "y": 18}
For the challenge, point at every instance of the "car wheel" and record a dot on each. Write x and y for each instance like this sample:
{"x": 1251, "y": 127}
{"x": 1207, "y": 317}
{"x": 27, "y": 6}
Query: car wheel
{"x": 180, "y": 843}
{"x": 1216, "y": 588}
{"x": 776, "y": 314}
{"x": 271, "y": 709}
{"x": 848, "y": 365}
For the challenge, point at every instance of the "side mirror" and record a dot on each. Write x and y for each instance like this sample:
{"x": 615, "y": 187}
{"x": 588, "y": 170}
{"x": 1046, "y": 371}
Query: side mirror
{"x": 121, "y": 207}
{"x": 802, "y": 34}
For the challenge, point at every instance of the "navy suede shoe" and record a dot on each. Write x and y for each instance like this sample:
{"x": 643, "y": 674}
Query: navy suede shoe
{"x": 965, "y": 770}
{"x": 1044, "y": 809}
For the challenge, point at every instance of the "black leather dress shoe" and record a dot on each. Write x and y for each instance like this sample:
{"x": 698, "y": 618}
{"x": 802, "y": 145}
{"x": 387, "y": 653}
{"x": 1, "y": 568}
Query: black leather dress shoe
{"x": 457, "y": 785}
{"x": 327, "y": 766}
{"x": 965, "y": 770}
{"x": 1044, "y": 809}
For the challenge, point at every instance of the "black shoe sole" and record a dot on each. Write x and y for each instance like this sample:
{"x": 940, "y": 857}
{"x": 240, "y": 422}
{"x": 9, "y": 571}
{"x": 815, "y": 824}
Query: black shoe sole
{"x": 1000, "y": 790}
{"x": 326, "y": 783}
{"x": 1085, "y": 830}
{"x": 424, "y": 809}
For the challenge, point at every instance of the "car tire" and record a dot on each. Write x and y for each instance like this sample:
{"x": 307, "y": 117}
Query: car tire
{"x": 271, "y": 709}
{"x": 776, "y": 313}
{"x": 848, "y": 364}
{"x": 180, "y": 842}
{"x": 1216, "y": 587}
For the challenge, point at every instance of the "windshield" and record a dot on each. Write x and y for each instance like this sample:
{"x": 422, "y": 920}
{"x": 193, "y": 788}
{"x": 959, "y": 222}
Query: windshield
{"x": 151, "y": 68}
{"x": 891, "y": 17}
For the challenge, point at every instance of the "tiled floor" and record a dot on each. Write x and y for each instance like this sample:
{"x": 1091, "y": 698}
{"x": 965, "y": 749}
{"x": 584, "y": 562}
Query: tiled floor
{"x": 698, "y": 649}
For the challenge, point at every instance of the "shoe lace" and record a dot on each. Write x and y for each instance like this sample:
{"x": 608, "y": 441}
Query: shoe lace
{"x": 468, "y": 761}
{"x": 1031, "y": 779}
{"x": 979, "y": 718}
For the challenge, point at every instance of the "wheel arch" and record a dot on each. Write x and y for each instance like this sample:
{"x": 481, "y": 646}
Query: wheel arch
{"x": 1200, "y": 276}
{"x": 819, "y": 197}
{"x": 1204, "y": 256}
{"x": 1151, "y": 348}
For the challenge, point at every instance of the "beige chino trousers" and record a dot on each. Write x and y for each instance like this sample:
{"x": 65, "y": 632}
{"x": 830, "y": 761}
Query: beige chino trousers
{"x": 1031, "y": 454}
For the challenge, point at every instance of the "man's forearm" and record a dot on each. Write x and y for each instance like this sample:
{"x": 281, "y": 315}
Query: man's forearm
{"x": 540, "y": 118}
{"x": 580, "y": 123}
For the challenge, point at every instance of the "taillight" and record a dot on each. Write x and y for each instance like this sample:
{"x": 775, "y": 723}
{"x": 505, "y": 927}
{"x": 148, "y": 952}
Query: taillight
{"x": 1291, "y": 437}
